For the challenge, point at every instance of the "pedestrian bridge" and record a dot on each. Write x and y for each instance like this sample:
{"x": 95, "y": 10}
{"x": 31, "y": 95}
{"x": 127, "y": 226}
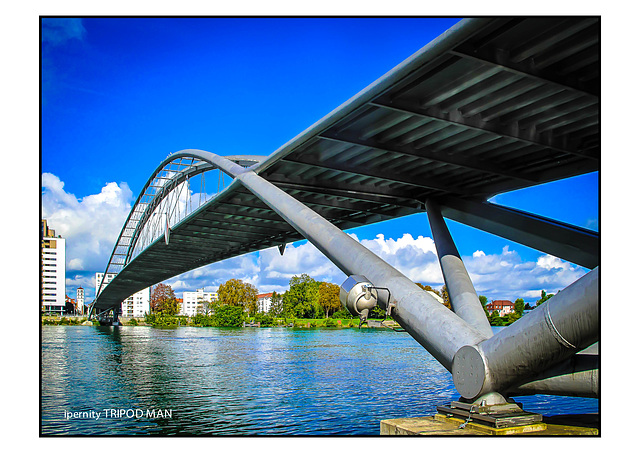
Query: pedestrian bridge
{"x": 490, "y": 106}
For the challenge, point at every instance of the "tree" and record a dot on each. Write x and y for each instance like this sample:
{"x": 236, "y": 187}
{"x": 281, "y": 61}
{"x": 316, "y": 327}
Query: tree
{"x": 329, "y": 297}
{"x": 518, "y": 307}
{"x": 495, "y": 319}
{"x": 229, "y": 316}
{"x": 445, "y": 296}
{"x": 428, "y": 288}
{"x": 163, "y": 300}
{"x": 543, "y": 297}
{"x": 239, "y": 294}
{"x": 301, "y": 299}
{"x": 276, "y": 309}
{"x": 483, "y": 301}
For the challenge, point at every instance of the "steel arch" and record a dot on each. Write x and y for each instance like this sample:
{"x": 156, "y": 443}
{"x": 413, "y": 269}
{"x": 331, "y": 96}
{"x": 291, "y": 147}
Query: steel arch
{"x": 147, "y": 204}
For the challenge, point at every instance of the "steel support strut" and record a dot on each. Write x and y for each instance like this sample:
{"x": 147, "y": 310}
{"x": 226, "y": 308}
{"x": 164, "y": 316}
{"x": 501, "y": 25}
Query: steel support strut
{"x": 552, "y": 333}
{"x": 462, "y": 294}
{"x": 569, "y": 242}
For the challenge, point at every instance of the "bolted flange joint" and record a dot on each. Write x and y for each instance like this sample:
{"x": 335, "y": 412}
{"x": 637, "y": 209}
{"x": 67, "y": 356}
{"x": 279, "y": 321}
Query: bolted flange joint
{"x": 469, "y": 372}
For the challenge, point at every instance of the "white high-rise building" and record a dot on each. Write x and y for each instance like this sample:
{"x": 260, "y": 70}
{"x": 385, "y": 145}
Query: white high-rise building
{"x": 53, "y": 269}
{"x": 136, "y": 305}
{"x": 193, "y": 302}
{"x": 80, "y": 300}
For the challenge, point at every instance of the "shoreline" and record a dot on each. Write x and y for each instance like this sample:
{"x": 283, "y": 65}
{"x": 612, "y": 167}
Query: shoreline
{"x": 302, "y": 323}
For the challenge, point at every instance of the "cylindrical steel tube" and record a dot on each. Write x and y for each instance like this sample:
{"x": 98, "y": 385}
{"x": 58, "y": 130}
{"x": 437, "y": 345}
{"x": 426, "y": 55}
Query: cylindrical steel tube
{"x": 553, "y": 332}
{"x": 462, "y": 294}
{"x": 576, "y": 376}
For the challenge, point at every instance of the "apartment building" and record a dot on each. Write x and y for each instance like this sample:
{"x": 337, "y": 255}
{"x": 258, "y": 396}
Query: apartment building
{"x": 194, "y": 302}
{"x": 53, "y": 270}
{"x": 264, "y": 302}
{"x": 136, "y": 305}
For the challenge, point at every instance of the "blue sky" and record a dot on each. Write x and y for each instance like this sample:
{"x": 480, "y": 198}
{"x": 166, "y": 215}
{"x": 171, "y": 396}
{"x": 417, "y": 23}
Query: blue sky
{"x": 119, "y": 95}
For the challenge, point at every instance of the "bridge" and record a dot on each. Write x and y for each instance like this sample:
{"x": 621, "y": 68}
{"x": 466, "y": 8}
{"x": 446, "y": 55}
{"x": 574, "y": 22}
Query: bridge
{"x": 490, "y": 106}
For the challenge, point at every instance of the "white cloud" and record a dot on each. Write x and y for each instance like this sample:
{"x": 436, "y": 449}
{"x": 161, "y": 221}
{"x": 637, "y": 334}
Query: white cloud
{"x": 551, "y": 262}
{"x": 90, "y": 225}
{"x": 415, "y": 258}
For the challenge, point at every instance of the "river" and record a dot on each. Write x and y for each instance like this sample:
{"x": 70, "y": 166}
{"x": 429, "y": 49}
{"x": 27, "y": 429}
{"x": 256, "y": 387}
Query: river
{"x": 215, "y": 381}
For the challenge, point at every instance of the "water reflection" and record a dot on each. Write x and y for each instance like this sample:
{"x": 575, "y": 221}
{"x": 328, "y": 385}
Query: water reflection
{"x": 241, "y": 381}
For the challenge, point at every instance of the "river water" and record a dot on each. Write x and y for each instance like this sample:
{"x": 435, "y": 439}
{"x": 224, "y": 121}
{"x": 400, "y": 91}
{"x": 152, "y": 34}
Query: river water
{"x": 216, "y": 381}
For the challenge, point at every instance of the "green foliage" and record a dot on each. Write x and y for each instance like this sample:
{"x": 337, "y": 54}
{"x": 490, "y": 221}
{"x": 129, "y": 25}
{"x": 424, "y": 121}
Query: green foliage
{"x": 201, "y": 320}
{"x": 343, "y": 313}
{"x": 495, "y": 319}
{"x": 301, "y": 299}
{"x": 377, "y": 313}
{"x": 518, "y": 307}
{"x": 237, "y": 293}
{"x": 162, "y": 320}
{"x": 330, "y": 322}
{"x": 329, "y": 297}
{"x": 132, "y": 322}
{"x": 228, "y": 316}
{"x": 276, "y": 309}
{"x": 543, "y": 297}
{"x": 483, "y": 301}
{"x": 265, "y": 319}
{"x": 510, "y": 318}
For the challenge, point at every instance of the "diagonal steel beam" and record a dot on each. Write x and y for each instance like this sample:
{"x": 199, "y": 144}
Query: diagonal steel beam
{"x": 464, "y": 298}
{"x": 569, "y": 242}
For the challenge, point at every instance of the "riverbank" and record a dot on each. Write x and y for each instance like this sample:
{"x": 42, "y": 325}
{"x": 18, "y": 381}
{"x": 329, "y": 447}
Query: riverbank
{"x": 186, "y": 321}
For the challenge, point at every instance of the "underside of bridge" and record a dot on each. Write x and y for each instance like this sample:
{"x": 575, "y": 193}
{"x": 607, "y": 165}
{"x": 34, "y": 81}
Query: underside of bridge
{"x": 491, "y": 106}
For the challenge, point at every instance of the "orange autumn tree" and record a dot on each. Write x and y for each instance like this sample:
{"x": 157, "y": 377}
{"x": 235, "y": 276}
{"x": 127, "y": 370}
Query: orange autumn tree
{"x": 163, "y": 300}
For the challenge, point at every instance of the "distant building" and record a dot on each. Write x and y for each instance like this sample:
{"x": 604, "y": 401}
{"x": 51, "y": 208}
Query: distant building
{"x": 136, "y": 305}
{"x": 53, "y": 270}
{"x": 70, "y": 305}
{"x": 264, "y": 302}
{"x": 80, "y": 300}
{"x": 503, "y": 307}
{"x": 194, "y": 302}
{"x": 99, "y": 280}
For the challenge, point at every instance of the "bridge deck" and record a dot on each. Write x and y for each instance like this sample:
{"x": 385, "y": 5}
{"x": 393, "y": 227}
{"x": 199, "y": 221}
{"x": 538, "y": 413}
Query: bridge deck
{"x": 490, "y": 106}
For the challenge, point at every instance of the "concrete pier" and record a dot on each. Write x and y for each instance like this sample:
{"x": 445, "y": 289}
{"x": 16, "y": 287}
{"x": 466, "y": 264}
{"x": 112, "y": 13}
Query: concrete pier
{"x": 439, "y": 425}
